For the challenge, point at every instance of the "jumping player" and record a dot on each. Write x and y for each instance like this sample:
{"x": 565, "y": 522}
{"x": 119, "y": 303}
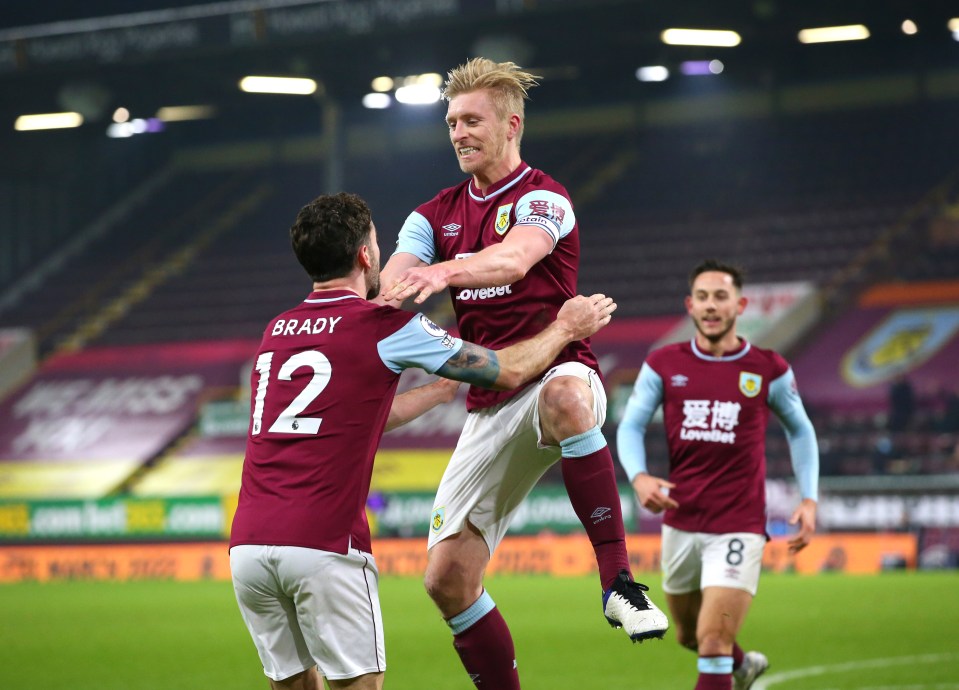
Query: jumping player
{"x": 506, "y": 244}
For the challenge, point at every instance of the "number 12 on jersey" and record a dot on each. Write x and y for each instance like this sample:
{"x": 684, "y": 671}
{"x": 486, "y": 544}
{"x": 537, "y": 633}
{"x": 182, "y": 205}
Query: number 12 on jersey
{"x": 288, "y": 422}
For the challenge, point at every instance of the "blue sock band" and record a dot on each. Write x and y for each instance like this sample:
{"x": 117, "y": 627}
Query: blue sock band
{"x": 466, "y": 619}
{"x": 715, "y": 664}
{"x": 583, "y": 444}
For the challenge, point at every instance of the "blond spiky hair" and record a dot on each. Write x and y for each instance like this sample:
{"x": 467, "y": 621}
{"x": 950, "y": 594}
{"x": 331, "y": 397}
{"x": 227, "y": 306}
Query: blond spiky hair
{"x": 508, "y": 84}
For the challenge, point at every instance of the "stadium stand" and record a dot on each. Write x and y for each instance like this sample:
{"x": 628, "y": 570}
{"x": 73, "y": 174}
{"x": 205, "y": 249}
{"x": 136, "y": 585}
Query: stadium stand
{"x": 210, "y": 260}
{"x": 845, "y": 198}
{"x": 122, "y": 256}
{"x": 792, "y": 199}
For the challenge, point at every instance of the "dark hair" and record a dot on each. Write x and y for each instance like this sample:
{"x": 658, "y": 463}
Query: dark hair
{"x": 734, "y": 272}
{"x": 328, "y": 233}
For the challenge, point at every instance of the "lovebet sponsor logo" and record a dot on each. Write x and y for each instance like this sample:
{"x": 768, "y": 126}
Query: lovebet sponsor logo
{"x": 472, "y": 294}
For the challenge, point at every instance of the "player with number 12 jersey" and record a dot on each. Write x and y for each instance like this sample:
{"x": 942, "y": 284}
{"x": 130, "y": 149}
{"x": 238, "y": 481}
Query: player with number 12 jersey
{"x": 307, "y": 417}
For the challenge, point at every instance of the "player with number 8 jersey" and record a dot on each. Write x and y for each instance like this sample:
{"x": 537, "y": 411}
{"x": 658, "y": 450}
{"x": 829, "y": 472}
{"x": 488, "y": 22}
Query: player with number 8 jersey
{"x": 715, "y": 413}
{"x": 716, "y": 392}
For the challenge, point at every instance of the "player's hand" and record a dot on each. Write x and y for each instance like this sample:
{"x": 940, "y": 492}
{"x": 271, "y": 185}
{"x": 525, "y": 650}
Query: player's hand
{"x": 805, "y": 517}
{"x": 653, "y": 493}
{"x": 583, "y": 316}
{"x": 422, "y": 282}
{"x": 446, "y": 389}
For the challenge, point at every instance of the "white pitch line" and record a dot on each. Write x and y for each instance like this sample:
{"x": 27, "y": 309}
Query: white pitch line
{"x": 938, "y": 686}
{"x": 777, "y": 678}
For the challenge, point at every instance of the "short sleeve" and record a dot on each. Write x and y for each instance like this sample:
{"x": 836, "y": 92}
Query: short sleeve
{"x": 547, "y": 210}
{"x": 420, "y": 343}
{"x": 416, "y": 238}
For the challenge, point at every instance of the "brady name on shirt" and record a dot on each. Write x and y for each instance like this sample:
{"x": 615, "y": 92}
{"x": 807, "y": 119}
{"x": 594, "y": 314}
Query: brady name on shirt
{"x": 300, "y": 396}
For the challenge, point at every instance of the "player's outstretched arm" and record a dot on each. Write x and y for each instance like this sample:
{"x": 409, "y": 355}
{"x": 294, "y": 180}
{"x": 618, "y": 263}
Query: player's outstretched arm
{"x": 409, "y": 405}
{"x": 396, "y": 267}
{"x": 495, "y": 266}
{"x": 513, "y": 366}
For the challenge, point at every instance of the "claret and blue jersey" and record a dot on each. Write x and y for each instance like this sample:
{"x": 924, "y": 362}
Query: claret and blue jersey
{"x": 324, "y": 379}
{"x": 460, "y": 221}
{"x": 715, "y": 412}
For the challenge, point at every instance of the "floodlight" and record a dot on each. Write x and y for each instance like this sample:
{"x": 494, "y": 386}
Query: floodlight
{"x": 697, "y": 68}
{"x": 26, "y": 123}
{"x": 832, "y": 34}
{"x": 377, "y": 101}
{"x": 430, "y": 79}
{"x": 417, "y": 94}
{"x": 701, "y": 37}
{"x": 382, "y": 84}
{"x": 652, "y": 73}
{"x": 296, "y": 86}
{"x": 180, "y": 113}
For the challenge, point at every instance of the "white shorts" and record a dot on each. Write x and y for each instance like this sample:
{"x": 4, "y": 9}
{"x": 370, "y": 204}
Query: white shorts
{"x": 306, "y": 607}
{"x": 693, "y": 561}
{"x": 499, "y": 457}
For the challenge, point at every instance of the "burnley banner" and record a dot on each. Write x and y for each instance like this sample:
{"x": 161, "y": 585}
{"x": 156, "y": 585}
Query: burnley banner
{"x": 910, "y": 332}
{"x": 115, "y": 403}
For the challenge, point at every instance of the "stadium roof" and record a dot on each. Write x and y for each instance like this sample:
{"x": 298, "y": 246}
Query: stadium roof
{"x": 152, "y": 53}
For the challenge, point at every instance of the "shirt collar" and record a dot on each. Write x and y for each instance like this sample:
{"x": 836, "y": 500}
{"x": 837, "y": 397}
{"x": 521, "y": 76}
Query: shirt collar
{"x": 727, "y": 357}
{"x": 320, "y": 296}
{"x": 496, "y": 189}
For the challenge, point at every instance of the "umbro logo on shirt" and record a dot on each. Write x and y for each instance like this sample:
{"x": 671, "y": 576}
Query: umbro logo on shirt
{"x": 679, "y": 380}
{"x": 451, "y": 229}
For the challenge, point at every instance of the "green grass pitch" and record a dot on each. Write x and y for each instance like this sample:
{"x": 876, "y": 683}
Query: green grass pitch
{"x": 831, "y": 632}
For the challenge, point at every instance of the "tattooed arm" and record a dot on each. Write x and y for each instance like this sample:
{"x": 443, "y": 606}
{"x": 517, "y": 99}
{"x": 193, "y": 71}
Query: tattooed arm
{"x": 513, "y": 366}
